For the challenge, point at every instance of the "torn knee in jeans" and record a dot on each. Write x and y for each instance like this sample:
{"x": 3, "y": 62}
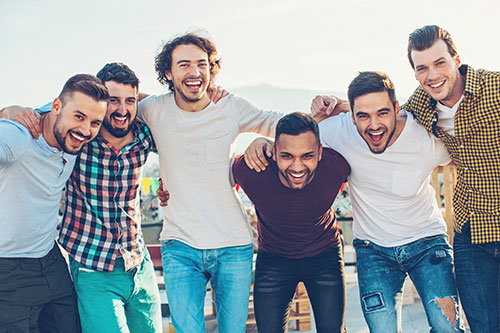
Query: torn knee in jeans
{"x": 372, "y": 302}
{"x": 448, "y": 307}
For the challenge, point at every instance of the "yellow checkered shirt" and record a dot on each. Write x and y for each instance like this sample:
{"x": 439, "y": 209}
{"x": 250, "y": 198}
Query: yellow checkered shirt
{"x": 475, "y": 149}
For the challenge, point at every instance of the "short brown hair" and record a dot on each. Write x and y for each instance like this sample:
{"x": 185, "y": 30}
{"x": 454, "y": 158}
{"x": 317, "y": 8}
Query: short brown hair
{"x": 86, "y": 84}
{"x": 163, "y": 61}
{"x": 423, "y": 38}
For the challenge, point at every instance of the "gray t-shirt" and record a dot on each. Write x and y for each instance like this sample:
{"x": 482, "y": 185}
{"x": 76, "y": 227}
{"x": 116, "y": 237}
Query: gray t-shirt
{"x": 32, "y": 177}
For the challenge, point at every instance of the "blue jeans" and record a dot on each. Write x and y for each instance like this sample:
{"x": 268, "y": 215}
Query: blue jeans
{"x": 187, "y": 271}
{"x": 381, "y": 275}
{"x": 119, "y": 301}
{"x": 476, "y": 271}
{"x": 276, "y": 279}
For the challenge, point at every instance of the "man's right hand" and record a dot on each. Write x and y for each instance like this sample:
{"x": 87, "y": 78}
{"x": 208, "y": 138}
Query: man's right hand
{"x": 323, "y": 107}
{"x": 254, "y": 154}
{"x": 27, "y": 117}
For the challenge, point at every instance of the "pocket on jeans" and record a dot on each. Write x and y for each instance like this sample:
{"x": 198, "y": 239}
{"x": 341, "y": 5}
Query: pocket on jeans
{"x": 358, "y": 243}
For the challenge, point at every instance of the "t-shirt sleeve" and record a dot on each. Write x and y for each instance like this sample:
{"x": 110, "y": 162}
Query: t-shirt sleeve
{"x": 442, "y": 155}
{"x": 338, "y": 163}
{"x": 240, "y": 170}
{"x": 329, "y": 130}
{"x": 253, "y": 119}
{"x": 14, "y": 140}
{"x": 144, "y": 109}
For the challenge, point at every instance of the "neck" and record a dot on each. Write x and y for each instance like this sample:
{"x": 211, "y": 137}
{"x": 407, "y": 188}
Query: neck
{"x": 48, "y": 130}
{"x": 191, "y": 106}
{"x": 115, "y": 142}
{"x": 400, "y": 125}
{"x": 457, "y": 93}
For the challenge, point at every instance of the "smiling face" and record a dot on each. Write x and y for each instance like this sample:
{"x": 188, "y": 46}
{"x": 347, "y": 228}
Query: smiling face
{"x": 297, "y": 157}
{"x": 375, "y": 118}
{"x": 78, "y": 120}
{"x": 122, "y": 109}
{"x": 437, "y": 72}
{"x": 190, "y": 74}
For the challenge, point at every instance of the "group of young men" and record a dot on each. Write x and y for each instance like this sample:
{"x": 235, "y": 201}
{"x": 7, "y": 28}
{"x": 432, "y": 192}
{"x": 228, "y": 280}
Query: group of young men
{"x": 386, "y": 157}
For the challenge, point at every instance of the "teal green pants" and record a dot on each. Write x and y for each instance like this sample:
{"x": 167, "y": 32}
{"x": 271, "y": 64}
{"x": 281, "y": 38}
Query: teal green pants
{"x": 118, "y": 301}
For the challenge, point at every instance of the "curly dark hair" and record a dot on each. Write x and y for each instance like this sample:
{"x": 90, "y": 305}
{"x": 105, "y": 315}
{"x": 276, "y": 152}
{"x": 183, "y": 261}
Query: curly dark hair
{"x": 118, "y": 72}
{"x": 163, "y": 61}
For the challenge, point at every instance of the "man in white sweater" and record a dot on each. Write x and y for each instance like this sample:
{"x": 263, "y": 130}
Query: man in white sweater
{"x": 205, "y": 234}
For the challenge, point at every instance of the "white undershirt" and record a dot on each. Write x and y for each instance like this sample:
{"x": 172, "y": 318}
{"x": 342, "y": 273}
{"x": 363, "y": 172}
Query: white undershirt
{"x": 446, "y": 116}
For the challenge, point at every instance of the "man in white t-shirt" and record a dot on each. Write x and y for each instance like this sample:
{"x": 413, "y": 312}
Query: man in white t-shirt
{"x": 399, "y": 230}
{"x": 206, "y": 235}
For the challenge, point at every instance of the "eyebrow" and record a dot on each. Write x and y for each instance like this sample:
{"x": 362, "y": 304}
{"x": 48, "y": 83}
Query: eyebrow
{"x": 198, "y": 61}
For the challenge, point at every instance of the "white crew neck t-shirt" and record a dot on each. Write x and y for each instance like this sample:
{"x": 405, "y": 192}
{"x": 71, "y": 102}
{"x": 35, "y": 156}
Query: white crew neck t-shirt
{"x": 195, "y": 151}
{"x": 446, "y": 116}
{"x": 392, "y": 201}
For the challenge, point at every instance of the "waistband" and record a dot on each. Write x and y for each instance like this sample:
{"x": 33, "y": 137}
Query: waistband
{"x": 51, "y": 257}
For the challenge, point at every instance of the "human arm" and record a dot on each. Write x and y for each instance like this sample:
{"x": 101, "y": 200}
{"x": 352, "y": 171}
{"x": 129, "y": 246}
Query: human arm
{"x": 323, "y": 107}
{"x": 25, "y": 116}
{"x": 256, "y": 152}
{"x": 14, "y": 139}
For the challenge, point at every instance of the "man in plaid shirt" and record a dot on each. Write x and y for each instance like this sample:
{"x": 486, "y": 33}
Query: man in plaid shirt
{"x": 112, "y": 271}
{"x": 461, "y": 106}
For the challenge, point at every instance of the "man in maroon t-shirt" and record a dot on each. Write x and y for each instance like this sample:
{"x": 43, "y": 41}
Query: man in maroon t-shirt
{"x": 298, "y": 232}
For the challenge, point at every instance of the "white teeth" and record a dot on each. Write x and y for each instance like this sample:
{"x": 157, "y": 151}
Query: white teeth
{"x": 299, "y": 175}
{"x": 376, "y": 133}
{"x": 193, "y": 83}
{"x": 435, "y": 85}
{"x": 120, "y": 118}
{"x": 80, "y": 138}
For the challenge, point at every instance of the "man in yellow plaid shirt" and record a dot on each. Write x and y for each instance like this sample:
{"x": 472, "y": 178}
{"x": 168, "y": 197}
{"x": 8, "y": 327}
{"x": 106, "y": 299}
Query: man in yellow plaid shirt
{"x": 461, "y": 106}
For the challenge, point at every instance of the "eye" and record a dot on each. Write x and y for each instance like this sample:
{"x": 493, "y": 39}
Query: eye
{"x": 203, "y": 65}
{"x": 79, "y": 117}
{"x": 95, "y": 123}
{"x": 131, "y": 100}
{"x": 308, "y": 156}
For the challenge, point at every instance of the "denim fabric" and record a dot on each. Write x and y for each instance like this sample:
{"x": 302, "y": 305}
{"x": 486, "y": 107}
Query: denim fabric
{"x": 276, "y": 279}
{"x": 476, "y": 271}
{"x": 187, "y": 271}
{"x": 119, "y": 301}
{"x": 382, "y": 272}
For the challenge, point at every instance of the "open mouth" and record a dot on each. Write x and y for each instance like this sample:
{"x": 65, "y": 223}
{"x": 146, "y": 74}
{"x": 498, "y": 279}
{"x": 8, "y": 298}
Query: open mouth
{"x": 77, "y": 139}
{"x": 437, "y": 84}
{"x": 376, "y": 137}
{"x": 297, "y": 177}
{"x": 119, "y": 120}
{"x": 193, "y": 84}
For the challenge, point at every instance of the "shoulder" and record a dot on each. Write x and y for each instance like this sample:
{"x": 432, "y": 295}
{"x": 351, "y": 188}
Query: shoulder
{"x": 14, "y": 139}
{"x": 244, "y": 175}
{"x": 334, "y": 160}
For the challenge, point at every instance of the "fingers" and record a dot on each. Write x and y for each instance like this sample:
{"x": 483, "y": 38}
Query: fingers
{"x": 255, "y": 155}
{"x": 162, "y": 194}
{"x": 319, "y": 105}
{"x": 269, "y": 150}
{"x": 217, "y": 93}
{"x": 330, "y": 103}
{"x": 33, "y": 122}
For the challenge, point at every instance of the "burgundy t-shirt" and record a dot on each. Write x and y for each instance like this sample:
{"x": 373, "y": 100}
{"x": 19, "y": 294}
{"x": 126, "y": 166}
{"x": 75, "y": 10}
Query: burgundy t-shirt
{"x": 295, "y": 223}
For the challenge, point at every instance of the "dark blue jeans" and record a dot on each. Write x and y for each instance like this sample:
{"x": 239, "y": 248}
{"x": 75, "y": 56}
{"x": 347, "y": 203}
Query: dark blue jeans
{"x": 276, "y": 279}
{"x": 383, "y": 270}
{"x": 476, "y": 270}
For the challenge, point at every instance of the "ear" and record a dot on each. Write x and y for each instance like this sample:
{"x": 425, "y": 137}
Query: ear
{"x": 274, "y": 153}
{"x": 56, "y": 106}
{"x": 320, "y": 154}
{"x": 397, "y": 109}
{"x": 168, "y": 74}
{"x": 352, "y": 117}
{"x": 457, "y": 61}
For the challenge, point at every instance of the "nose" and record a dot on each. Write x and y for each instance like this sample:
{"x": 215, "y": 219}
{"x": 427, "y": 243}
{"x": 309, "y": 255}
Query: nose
{"x": 432, "y": 73}
{"x": 297, "y": 164}
{"x": 194, "y": 70}
{"x": 85, "y": 128}
{"x": 122, "y": 108}
{"x": 374, "y": 122}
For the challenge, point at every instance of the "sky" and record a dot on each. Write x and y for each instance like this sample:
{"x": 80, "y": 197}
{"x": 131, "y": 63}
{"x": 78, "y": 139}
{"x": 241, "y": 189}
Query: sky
{"x": 315, "y": 45}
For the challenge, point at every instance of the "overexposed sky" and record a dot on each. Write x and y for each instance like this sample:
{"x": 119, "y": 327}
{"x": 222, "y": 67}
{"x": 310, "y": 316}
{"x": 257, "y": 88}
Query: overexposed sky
{"x": 311, "y": 44}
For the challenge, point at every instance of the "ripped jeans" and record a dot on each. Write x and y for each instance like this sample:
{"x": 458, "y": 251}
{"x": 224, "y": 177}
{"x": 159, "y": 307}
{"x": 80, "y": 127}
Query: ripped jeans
{"x": 381, "y": 275}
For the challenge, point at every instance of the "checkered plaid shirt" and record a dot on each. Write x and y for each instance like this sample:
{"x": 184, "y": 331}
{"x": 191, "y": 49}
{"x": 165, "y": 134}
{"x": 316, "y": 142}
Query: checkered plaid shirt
{"x": 102, "y": 213}
{"x": 475, "y": 149}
